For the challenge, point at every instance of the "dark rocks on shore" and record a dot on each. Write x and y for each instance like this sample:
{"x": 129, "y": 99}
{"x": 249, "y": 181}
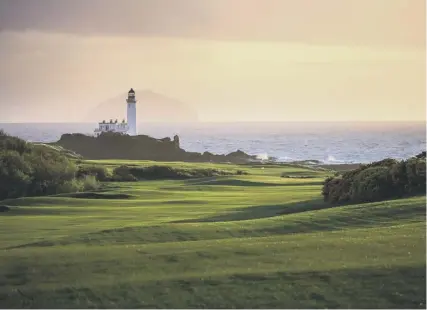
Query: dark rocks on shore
{"x": 421, "y": 155}
{"x": 141, "y": 147}
{"x": 176, "y": 141}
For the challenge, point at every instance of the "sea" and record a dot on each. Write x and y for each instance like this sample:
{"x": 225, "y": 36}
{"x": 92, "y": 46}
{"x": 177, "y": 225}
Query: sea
{"x": 329, "y": 143}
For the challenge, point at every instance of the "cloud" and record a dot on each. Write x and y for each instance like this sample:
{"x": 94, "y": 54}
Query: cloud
{"x": 349, "y": 22}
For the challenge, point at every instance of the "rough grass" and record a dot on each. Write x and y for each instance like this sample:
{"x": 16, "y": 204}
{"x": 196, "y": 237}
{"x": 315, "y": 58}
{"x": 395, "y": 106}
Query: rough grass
{"x": 255, "y": 241}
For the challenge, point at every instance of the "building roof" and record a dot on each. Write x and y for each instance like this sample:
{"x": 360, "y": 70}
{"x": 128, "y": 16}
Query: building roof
{"x": 131, "y": 91}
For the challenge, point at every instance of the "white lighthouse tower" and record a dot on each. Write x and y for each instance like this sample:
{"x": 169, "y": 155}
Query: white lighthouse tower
{"x": 131, "y": 112}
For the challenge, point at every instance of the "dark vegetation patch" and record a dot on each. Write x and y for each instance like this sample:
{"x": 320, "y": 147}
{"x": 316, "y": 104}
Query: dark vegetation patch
{"x": 101, "y": 173}
{"x": 4, "y": 208}
{"x": 382, "y": 180}
{"x": 233, "y": 182}
{"x": 95, "y": 195}
{"x": 43, "y": 243}
{"x": 128, "y": 173}
{"x": 184, "y": 202}
{"x": 32, "y": 170}
{"x": 293, "y": 176}
{"x": 340, "y": 167}
{"x": 238, "y": 183}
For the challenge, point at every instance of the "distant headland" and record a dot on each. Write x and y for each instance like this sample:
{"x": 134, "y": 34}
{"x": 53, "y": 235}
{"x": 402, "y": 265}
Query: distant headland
{"x": 113, "y": 145}
{"x": 120, "y": 140}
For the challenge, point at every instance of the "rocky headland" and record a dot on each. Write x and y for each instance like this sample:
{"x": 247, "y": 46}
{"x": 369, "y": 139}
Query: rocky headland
{"x": 141, "y": 147}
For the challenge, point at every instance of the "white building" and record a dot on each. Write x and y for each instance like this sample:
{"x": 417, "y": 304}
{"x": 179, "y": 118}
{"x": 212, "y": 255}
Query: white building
{"x": 124, "y": 127}
{"x": 112, "y": 127}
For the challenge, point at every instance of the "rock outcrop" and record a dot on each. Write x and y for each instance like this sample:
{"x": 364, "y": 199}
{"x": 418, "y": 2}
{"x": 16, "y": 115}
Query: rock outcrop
{"x": 141, "y": 147}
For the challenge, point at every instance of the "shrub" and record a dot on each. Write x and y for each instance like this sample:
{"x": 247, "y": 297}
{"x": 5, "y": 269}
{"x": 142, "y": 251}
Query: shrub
{"x": 155, "y": 172}
{"x": 122, "y": 174}
{"x": 15, "y": 175}
{"x": 377, "y": 181}
{"x": 101, "y": 173}
{"x": 14, "y": 144}
{"x": 90, "y": 183}
{"x": 165, "y": 172}
{"x": 50, "y": 169}
{"x": 336, "y": 189}
{"x": 125, "y": 173}
{"x": 87, "y": 183}
{"x": 372, "y": 184}
{"x": 27, "y": 170}
{"x": 416, "y": 175}
{"x": 71, "y": 186}
{"x": 399, "y": 178}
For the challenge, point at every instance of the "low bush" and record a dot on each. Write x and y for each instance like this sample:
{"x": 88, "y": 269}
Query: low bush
{"x": 385, "y": 179}
{"x": 372, "y": 184}
{"x": 122, "y": 174}
{"x": 101, "y": 173}
{"x": 86, "y": 183}
{"x": 290, "y": 176}
{"x": 126, "y": 173}
{"x": 95, "y": 195}
{"x": 28, "y": 170}
{"x": 90, "y": 183}
{"x": 71, "y": 186}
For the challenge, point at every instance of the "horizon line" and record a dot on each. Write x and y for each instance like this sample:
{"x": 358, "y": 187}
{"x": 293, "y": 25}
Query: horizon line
{"x": 225, "y": 122}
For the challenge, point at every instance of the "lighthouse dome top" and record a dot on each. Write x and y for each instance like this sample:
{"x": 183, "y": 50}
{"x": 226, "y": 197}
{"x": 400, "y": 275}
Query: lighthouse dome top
{"x": 131, "y": 91}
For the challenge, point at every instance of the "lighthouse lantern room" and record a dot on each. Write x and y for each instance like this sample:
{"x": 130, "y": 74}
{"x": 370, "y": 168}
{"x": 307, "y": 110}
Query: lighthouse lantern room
{"x": 124, "y": 127}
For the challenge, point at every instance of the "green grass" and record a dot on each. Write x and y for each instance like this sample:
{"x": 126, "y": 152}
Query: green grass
{"x": 253, "y": 241}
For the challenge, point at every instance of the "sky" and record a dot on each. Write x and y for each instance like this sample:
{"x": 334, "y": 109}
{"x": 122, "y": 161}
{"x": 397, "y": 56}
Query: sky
{"x": 232, "y": 60}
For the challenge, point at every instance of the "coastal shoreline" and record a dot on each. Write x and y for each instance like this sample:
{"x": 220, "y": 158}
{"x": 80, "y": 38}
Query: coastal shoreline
{"x": 143, "y": 147}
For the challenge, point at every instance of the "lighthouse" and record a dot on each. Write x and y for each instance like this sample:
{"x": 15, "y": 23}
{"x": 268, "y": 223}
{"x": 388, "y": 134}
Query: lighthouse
{"x": 124, "y": 127}
{"x": 131, "y": 112}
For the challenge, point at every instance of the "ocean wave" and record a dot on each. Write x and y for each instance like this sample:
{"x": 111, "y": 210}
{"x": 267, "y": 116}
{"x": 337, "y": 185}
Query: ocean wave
{"x": 333, "y": 160}
{"x": 263, "y": 156}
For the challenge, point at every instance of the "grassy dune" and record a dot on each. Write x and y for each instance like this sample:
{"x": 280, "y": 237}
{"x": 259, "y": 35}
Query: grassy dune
{"x": 254, "y": 241}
